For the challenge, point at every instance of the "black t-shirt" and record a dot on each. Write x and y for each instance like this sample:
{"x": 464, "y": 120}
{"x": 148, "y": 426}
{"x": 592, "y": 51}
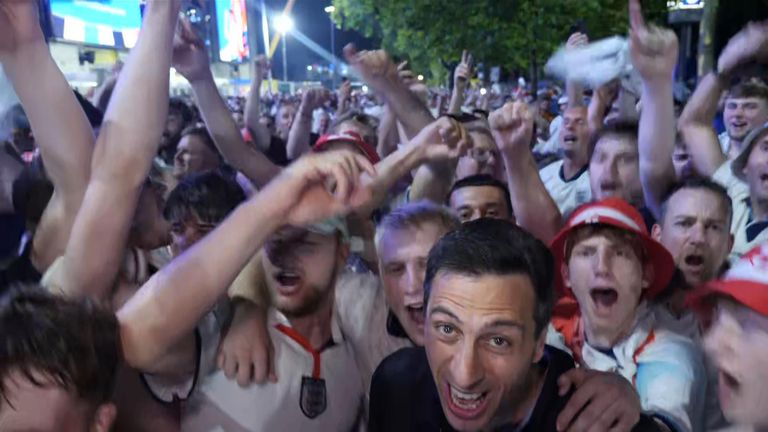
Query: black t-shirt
{"x": 404, "y": 397}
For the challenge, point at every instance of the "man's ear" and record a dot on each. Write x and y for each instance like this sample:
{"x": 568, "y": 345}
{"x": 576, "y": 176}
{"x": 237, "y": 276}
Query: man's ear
{"x": 538, "y": 352}
{"x": 104, "y": 418}
{"x": 656, "y": 232}
{"x": 565, "y": 274}
{"x": 648, "y": 274}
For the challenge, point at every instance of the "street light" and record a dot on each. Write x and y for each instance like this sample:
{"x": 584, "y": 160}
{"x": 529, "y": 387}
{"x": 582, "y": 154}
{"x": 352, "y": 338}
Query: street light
{"x": 284, "y": 24}
{"x": 329, "y": 10}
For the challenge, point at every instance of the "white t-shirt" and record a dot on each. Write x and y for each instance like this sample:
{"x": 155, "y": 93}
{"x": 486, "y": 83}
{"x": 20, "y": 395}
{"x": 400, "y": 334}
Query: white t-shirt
{"x": 362, "y": 310}
{"x": 666, "y": 368}
{"x": 300, "y": 400}
{"x": 742, "y": 212}
{"x": 568, "y": 195}
{"x": 725, "y": 142}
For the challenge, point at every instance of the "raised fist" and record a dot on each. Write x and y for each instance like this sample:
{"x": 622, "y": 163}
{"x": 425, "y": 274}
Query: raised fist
{"x": 512, "y": 125}
{"x": 443, "y": 139}
{"x": 314, "y": 98}
{"x": 374, "y": 67}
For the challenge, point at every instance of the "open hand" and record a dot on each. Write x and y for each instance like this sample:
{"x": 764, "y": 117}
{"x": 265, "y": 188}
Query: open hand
{"x": 577, "y": 40}
{"x": 602, "y": 401}
{"x": 653, "y": 50}
{"x": 246, "y": 353}
{"x": 314, "y": 98}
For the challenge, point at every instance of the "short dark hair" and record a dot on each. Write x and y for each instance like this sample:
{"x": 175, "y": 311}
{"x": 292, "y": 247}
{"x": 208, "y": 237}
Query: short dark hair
{"x": 209, "y": 195}
{"x": 199, "y": 130}
{"x": 178, "y": 105}
{"x": 698, "y": 183}
{"x": 31, "y": 192}
{"x": 72, "y": 343}
{"x": 749, "y": 89}
{"x": 619, "y": 127}
{"x": 496, "y": 247}
{"x": 478, "y": 180}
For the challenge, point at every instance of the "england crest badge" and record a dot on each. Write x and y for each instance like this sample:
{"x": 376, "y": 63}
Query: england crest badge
{"x": 313, "y": 396}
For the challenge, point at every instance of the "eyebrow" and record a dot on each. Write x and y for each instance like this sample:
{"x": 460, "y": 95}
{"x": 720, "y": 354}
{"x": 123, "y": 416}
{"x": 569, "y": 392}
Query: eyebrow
{"x": 507, "y": 323}
{"x": 443, "y": 310}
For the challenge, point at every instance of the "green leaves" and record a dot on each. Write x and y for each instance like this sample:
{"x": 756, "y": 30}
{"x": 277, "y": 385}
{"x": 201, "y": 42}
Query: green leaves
{"x": 508, "y": 33}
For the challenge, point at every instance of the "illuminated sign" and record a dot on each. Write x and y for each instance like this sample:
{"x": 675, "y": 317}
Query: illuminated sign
{"x": 685, "y": 4}
{"x": 232, "y": 29}
{"x": 109, "y": 23}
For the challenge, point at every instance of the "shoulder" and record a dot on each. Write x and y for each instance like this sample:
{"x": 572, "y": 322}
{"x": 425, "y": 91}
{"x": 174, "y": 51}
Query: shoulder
{"x": 679, "y": 353}
{"x": 403, "y": 368}
{"x": 551, "y": 169}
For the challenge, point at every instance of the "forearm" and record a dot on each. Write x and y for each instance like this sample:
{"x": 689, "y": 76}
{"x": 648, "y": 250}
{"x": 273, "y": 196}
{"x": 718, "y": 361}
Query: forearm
{"x": 575, "y": 93}
{"x": 533, "y": 206}
{"x": 298, "y": 136}
{"x": 408, "y": 109}
{"x": 157, "y": 317}
{"x": 127, "y": 143}
{"x": 391, "y": 169}
{"x": 387, "y": 133}
{"x": 457, "y": 100}
{"x": 343, "y": 106}
{"x": 695, "y": 125}
{"x": 60, "y": 127}
{"x": 656, "y": 138}
{"x": 596, "y": 113}
{"x": 259, "y": 132}
{"x": 227, "y": 137}
{"x": 433, "y": 182}
{"x": 102, "y": 95}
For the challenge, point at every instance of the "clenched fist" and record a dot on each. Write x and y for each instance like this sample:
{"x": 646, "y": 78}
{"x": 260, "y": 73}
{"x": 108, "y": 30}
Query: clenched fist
{"x": 512, "y": 126}
{"x": 375, "y": 67}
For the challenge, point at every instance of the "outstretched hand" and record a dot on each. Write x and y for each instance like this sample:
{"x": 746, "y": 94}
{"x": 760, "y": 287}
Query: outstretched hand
{"x": 326, "y": 184}
{"x": 653, "y": 50}
{"x": 189, "y": 56}
{"x": 512, "y": 126}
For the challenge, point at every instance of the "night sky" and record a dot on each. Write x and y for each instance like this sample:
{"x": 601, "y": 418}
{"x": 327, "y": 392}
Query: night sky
{"x": 310, "y": 18}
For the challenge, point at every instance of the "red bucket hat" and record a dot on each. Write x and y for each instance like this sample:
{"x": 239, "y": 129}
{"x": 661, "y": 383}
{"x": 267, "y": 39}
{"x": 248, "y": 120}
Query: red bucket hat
{"x": 746, "y": 282}
{"x": 349, "y": 137}
{"x": 617, "y": 213}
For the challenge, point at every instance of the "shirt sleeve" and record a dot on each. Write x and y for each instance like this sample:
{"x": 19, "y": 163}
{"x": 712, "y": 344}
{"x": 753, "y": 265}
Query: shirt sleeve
{"x": 671, "y": 383}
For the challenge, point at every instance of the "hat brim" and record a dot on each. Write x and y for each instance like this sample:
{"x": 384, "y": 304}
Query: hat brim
{"x": 661, "y": 260}
{"x": 751, "y": 294}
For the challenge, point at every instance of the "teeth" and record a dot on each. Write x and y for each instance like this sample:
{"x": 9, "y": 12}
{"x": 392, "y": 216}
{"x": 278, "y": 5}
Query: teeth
{"x": 463, "y": 398}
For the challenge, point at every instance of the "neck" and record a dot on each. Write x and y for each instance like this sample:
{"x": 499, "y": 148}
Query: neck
{"x": 572, "y": 164}
{"x": 759, "y": 209}
{"x": 734, "y": 148}
{"x": 607, "y": 338}
{"x": 524, "y": 404}
{"x": 315, "y": 326}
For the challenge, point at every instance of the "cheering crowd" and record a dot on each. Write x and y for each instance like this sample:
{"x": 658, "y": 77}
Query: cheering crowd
{"x": 410, "y": 259}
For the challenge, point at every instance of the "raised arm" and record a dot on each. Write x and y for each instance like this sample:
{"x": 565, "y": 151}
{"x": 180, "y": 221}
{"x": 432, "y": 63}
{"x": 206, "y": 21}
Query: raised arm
{"x": 654, "y": 55}
{"x": 260, "y": 134}
{"x": 298, "y": 137}
{"x": 129, "y": 138}
{"x": 573, "y": 89}
{"x": 695, "y": 124}
{"x": 512, "y": 129}
{"x": 378, "y": 70}
{"x": 157, "y": 317}
{"x": 191, "y": 61}
{"x": 344, "y": 95}
{"x": 61, "y": 129}
{"x": 461, "y": 77}
{"x": 388, "y": 137}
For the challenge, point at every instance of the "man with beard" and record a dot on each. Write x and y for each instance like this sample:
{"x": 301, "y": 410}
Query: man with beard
{"x": 736, "y": 310}
{"x": 484, "y": 365}
{"x": 179, "y": 117}
{"x": 609, "y": 269}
